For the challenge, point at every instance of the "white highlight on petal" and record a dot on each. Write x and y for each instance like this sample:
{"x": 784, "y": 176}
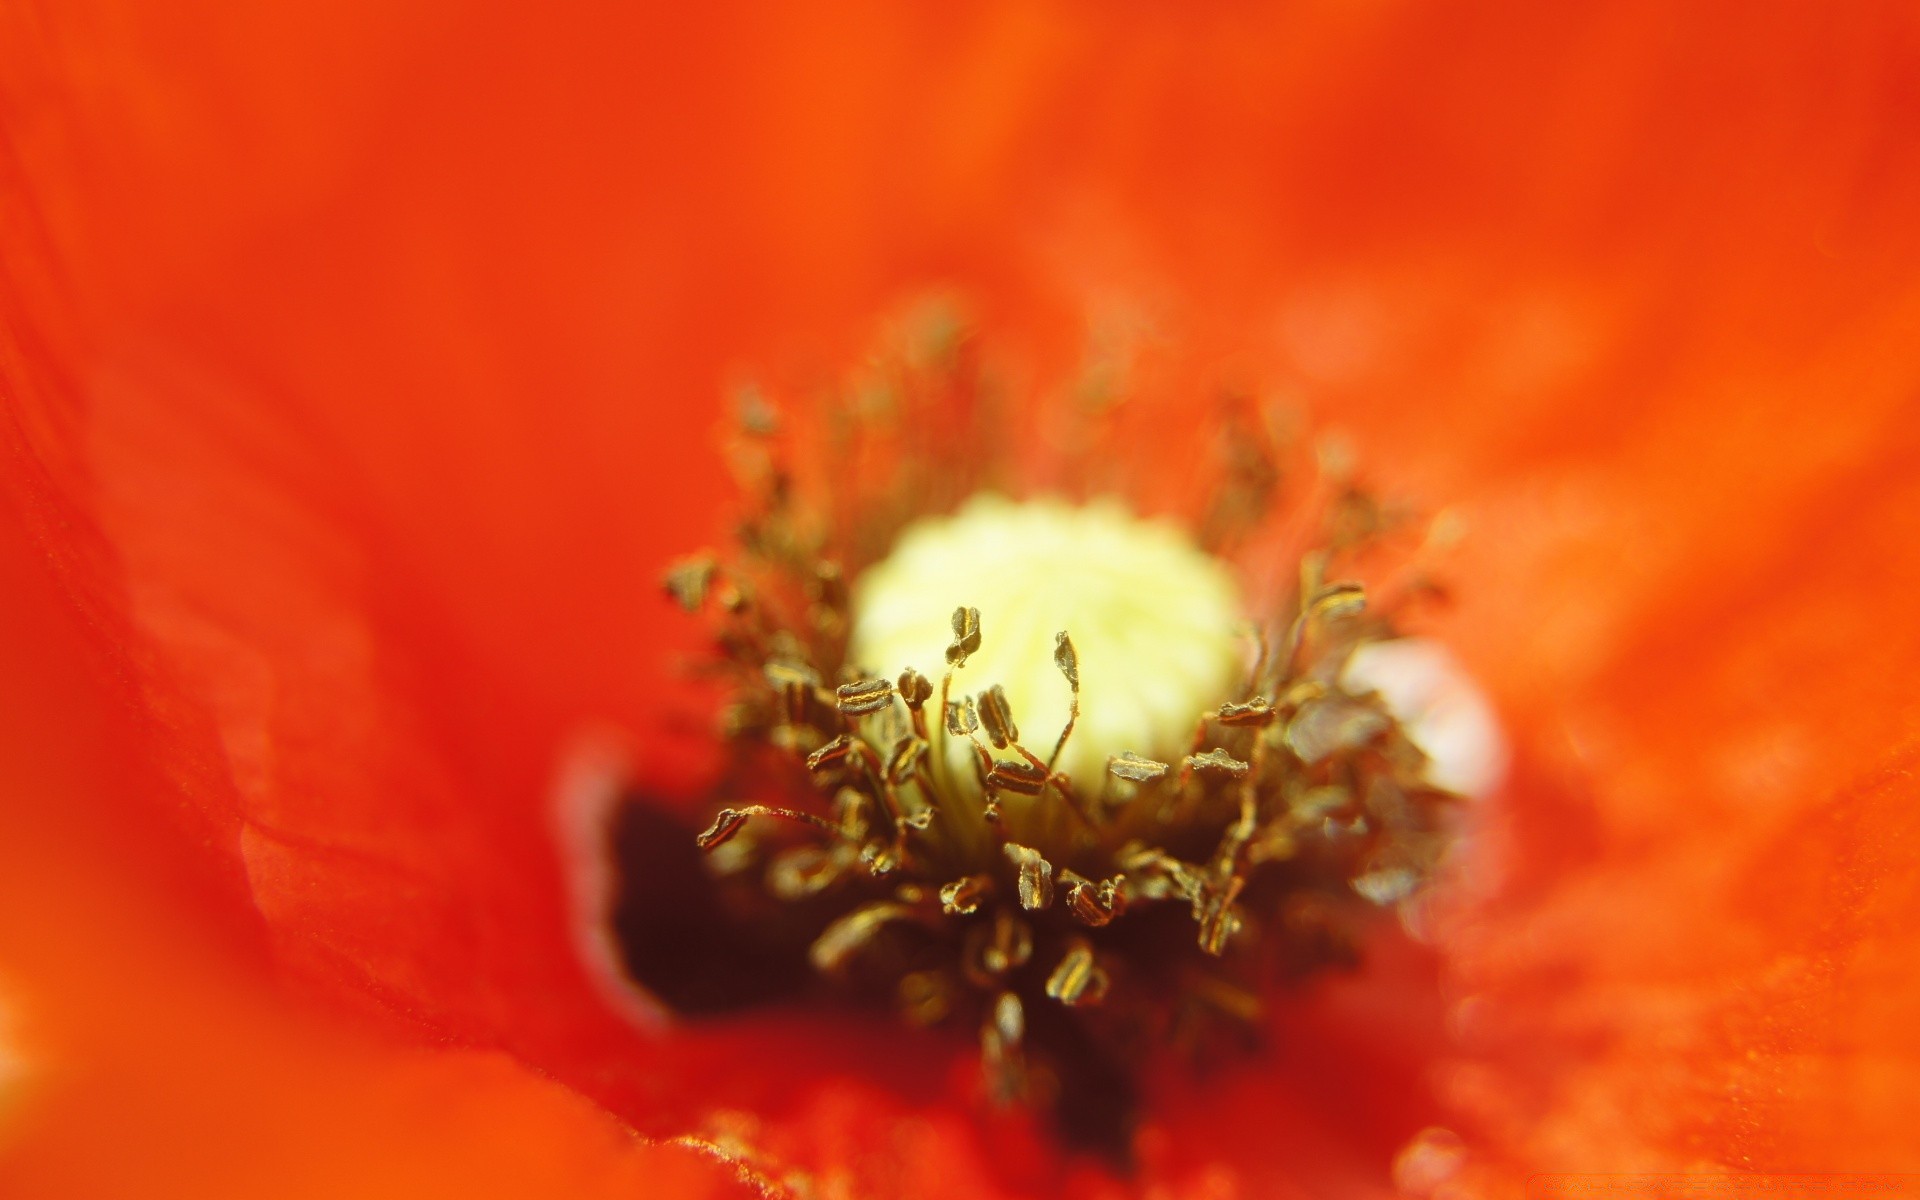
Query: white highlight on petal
{"x": 1440, "y": 708}
{"x": 1153, "y": 619}
{"x": 589, "y": 788}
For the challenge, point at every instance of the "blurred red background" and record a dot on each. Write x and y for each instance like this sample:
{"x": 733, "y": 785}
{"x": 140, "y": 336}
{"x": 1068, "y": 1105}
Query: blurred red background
{"x": 360, "y": 367}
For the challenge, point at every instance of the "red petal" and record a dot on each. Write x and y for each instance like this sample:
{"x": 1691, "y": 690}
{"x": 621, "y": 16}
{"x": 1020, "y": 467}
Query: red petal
{"x": 139, "y": 1055}
{"x": 394, "y": 320}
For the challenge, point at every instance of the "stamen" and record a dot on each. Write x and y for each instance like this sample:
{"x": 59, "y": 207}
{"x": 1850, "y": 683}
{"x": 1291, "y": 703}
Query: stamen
{"x": 1077, "y": 980}
{"x": 730, "y": 820}
{"x": 1152, "y": 622}
{"x": 1245, "y": 779}
{"x": 863, "y": 697}
{"x": 1132, "y": 767}
{"x": 997, "y": 717}
{"x": 963, "y": 896}
{"x": 1217, "y": 760}
{"x": 1036, "y": 876}
{"x": 851, "y": 934}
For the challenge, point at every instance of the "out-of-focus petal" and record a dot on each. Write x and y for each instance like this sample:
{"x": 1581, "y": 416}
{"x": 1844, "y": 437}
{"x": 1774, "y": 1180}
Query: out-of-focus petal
{"x": 398, "y": 323}
{"x": 149, "y": 1055}
{"x": 1693, "y": 954}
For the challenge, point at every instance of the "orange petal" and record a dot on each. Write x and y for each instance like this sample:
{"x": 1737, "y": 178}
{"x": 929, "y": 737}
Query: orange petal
{"x": 143, "y": 1053}
{"x": 366, "y": 472}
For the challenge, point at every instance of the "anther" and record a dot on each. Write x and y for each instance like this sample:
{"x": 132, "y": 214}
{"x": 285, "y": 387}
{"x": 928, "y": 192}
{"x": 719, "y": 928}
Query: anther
{"x": 1020, "y": 778}
{"x": 1077, "y": 979}
{"x": 689, "y": 580}
{"x": 834, "y": 752}
{"x": 1092, "y": 903}
{"x": 1298, "y": 781}
{"x": 1253, "y": 712}
{"x": 863, "y": 697}
{"x": 1218, "y": 760}
{"x": 966, "y": 636}
{"x": 915, "y": 688}
{"x": 997, "y": 718}
{"x": 851, "y": 933}
{"x": 961, "y": 719}
{"x": 1036, "y": 876}
{"x": 1135, "y": 769}
{"x": 730, "y": 820}
{"x": 963, "y": 896}
{"x": 908, "y": 755}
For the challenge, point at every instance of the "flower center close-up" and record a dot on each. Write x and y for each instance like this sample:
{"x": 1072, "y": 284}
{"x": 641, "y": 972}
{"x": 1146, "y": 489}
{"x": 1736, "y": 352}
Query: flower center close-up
{"x": 1043, "y": 769}
{"x": 1307, "y": 600}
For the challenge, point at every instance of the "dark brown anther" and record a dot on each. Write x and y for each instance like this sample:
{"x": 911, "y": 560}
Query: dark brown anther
{"x": 1218, "y": 921}
{"x": 729, "y": 821}
{"x": 1020, "y": 778}
{"x": 1036, "y": 876}
{"x": 1092, "y": 903}
{"x": 725, "y": 825}
{"x": 1254, "y": 712}
{"x": 966, "y": 636}
{"x": 961, "y": 720}
{"x": 689, "y": 580}
{"x": 915, "y": 688}
{"x": 1218, "y": 760}
{"x": 1065, "y": 659}
{"x": 963, "y": 896}
{"x": 1132, "y": 767}
{"x": 996, "y": 717}
{"x": 1069, "y": 664}
{"x": 908, "y": 753}
{"x": 844, "y": 938}
{"x": 863, "y": 697}
{"x": 1077, "y": 979}
{"x": 835, "y": 751}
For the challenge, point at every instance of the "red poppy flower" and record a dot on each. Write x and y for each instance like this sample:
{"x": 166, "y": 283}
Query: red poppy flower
{"x": 358, "y": 368}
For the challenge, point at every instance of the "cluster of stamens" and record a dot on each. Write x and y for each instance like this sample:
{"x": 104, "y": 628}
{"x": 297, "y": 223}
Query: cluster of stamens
{"x": 965, "y": 875}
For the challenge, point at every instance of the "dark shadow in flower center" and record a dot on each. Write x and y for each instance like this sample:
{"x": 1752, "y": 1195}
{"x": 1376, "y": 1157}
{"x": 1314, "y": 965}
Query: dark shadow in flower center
{"x": 686, "y": 939}
{"x": 678, "y": 938}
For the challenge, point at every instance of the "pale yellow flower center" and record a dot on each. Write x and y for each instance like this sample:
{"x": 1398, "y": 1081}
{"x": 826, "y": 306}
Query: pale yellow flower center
{"x": 1156, "y": 623}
